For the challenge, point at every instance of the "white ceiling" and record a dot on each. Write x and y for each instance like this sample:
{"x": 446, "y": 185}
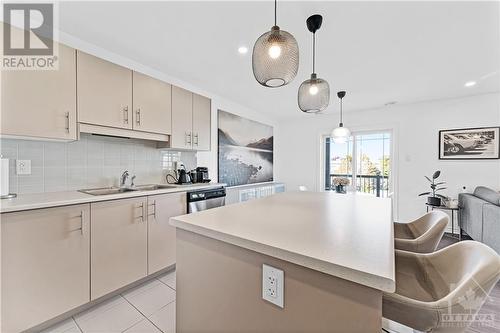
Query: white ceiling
{"x": 377, "y": 51}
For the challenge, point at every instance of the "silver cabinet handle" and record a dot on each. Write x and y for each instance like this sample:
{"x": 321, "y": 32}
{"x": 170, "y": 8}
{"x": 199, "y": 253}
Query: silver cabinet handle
{"x": 154, "y": 210}
{"x": 196, "y": 139}
{"x": 141, "y": 206}
{"x": 138, "y": 117}
{"x": 125, "y": 114}
{"x": 82, "y": 219}
{"x": 188, "y": 138}
{"x": 67, "y": 122}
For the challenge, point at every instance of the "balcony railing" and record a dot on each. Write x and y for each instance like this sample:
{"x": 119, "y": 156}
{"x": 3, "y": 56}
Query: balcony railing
{"x": 377, "y": 185}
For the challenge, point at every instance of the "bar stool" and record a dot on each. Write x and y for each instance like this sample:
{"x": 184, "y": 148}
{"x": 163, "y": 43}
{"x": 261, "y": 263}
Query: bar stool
{"x": 421, "y": 235}
{"x": 442, "y": 291}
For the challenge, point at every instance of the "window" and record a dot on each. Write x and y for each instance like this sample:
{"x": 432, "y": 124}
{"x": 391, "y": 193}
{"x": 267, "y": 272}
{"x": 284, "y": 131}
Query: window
{"x": 365, "y": 159}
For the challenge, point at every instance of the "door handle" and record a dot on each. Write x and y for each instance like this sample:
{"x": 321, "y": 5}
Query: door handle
{"x": 82, "y": 219}
{"x": 154, "y": 210}
{"x": 125, "y": 114}
{"x": 141, "y": 206}
{"x": 67, "y": 122}
{"x": 138, "y": 117}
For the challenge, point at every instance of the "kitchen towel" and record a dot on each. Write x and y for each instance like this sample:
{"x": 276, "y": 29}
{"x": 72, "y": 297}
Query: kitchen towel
{"x": 4, "y": 178}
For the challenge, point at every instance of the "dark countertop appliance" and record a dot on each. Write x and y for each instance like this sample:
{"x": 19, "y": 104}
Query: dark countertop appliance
{"x": 206, "y": 199}
{"x": 200, "y": 175}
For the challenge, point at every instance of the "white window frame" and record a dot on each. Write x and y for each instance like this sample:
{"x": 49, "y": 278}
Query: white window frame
{"x": 394, "y": 153}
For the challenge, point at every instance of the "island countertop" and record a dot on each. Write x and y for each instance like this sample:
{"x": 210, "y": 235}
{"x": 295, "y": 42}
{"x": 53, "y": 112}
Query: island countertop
{"x": 346, "y": 236}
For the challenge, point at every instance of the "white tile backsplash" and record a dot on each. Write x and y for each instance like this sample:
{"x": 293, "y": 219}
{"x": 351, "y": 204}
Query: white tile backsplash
{"x": 92, "y": 161}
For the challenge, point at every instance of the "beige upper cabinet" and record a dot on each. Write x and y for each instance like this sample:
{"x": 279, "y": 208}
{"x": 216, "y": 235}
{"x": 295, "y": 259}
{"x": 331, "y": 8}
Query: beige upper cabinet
{"x": 201, "y": 122}
{"x": 104, "y": 92}
{"x": 152, "y": 104}
{"x": 161, "y": 235}
{"x": 41, "y": 103}
{"x": 182, "y": 118}
{"x": 190, "y": 120}
{"x": 45, "y": 264}
{"x": 118, "y": 244}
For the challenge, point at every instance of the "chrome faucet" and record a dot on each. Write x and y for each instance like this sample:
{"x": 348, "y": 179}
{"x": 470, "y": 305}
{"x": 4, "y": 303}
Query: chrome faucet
{"x": 132, "y": 181}
{"x": 123, "y": 178}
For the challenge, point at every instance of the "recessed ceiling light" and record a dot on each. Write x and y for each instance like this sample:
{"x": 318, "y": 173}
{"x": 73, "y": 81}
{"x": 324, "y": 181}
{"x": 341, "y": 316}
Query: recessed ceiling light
{"x": 470, "y": 84}
{"x": 243, "y": 49}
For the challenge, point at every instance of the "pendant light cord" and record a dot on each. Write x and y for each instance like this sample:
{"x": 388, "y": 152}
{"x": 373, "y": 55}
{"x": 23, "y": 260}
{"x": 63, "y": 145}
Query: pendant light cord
{"x": 314, "y": 52}
{"x": 275, "y": 11}
{"x": 341, "y": 120}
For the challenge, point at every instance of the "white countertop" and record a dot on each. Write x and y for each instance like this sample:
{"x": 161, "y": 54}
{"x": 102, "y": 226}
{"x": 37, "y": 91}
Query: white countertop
{"x": 347, "y": 236}
{"x": 54, "y": 199}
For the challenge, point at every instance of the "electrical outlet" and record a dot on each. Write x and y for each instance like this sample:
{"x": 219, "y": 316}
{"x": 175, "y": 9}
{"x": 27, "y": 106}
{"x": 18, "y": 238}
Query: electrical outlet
{"x": 23, "y": 167}
{"x": 273, "y": 283}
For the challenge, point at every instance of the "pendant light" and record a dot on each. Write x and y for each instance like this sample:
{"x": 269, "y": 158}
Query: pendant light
{"x": 341, "y": 134}
{"x": 314, "y": 93}
{"x": 275, "y": 57}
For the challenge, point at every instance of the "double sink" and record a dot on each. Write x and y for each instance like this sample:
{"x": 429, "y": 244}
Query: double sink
{"x": 117, "y": 190}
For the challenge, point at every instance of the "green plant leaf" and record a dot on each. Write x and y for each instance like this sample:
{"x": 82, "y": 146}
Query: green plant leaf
{"x": 440, "y": 183}
{"x": 441, "y": 188}
{"x": 430, "y": 181}
{"x": 441, "y": 196}
{"x": 436, "y": 174}
{"x": 425, "y": 193}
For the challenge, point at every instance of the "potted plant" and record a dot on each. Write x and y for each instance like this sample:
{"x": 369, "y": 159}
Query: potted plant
{"x": 435, "y": 199}
{"x": 340, "y": 183}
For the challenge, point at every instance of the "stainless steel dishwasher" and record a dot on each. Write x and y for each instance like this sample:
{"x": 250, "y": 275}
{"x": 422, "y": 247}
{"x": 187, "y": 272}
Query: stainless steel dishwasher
{"x": 206, "y": 199}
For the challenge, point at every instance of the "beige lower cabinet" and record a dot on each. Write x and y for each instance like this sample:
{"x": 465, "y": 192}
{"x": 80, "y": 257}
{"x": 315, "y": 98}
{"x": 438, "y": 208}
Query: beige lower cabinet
{"x": 45, "y": 264}
{"x": 118, "y": 244}
{"x": 161, "y": 235}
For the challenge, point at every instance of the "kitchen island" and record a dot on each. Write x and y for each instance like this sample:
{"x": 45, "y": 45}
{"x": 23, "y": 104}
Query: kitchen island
{"x": 336, "y": 252}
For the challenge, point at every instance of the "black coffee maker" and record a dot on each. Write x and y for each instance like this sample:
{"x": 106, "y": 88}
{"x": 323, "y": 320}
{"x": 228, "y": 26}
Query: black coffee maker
{"x": 200, "y": 175}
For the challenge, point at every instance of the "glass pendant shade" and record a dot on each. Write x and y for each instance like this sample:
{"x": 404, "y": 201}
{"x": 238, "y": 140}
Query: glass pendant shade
{"x": 341, "y": 134}
{"x": 314, "y": 95}
{"x": 275, "y": 58}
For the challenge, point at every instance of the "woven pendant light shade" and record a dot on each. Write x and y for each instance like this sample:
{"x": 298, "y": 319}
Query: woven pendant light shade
{"x": 314, "y": 95}
{"x": 275, "y": 58}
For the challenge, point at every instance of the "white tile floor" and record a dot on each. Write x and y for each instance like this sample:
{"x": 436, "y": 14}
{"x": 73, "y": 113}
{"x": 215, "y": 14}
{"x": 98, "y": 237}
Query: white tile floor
{"x": 148, "y": 308}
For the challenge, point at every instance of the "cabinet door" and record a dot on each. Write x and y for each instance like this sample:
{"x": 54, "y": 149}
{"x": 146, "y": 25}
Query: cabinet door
{"x": 161, "y": 235}
{"x": 41, "y": 103}
{"x": 45, "y": 264}
{"x": 201, "y": 122}
{"x": 182, "y": 118}
{"x": 104, "y": 92}
{"x": 152, "y": 105}
{"x": 118, "y": 244}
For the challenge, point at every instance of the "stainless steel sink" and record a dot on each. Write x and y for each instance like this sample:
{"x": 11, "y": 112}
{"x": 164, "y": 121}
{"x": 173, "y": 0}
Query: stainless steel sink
{"x": 117, "y": 190}
{"x": 106, "y": 190}
{"x": 152, "y": 187}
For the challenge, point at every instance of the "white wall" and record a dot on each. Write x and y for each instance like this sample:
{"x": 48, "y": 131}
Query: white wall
{"x": 415, "y": 128}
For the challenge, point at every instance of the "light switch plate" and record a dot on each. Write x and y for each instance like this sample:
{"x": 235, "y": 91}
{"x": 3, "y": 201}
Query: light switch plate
{"x": 273, "y": 285}
{"x": 23, "y": 167}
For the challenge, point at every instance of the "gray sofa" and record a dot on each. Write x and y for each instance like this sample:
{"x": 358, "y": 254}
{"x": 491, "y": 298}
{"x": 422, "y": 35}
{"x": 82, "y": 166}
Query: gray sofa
{"x": 480, "y": 216}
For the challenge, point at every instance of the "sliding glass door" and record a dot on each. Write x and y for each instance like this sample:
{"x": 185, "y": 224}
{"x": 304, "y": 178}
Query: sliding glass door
{"x": 365, "y": 159}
